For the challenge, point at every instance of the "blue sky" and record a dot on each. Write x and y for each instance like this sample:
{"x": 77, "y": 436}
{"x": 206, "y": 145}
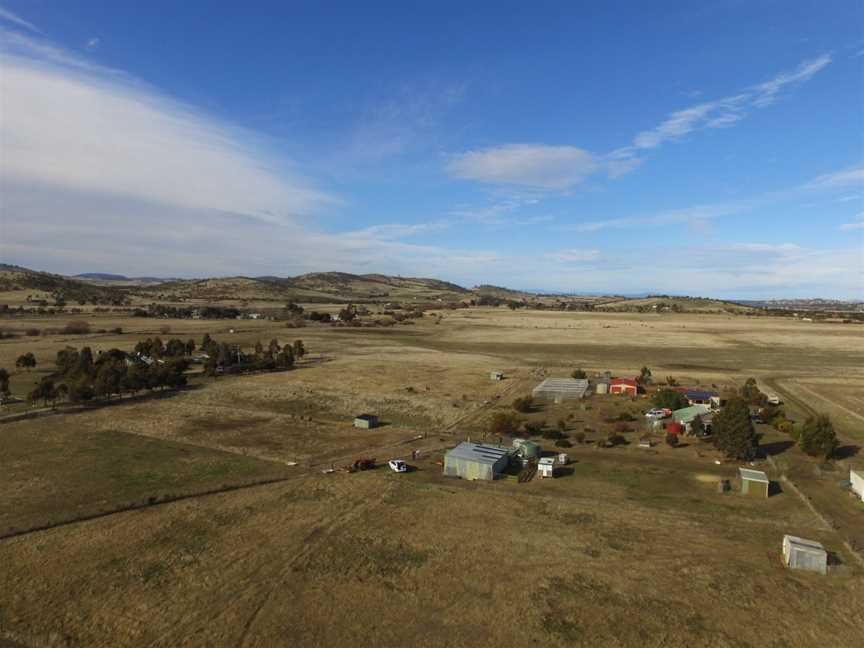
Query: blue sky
{"x": 621, "y": 147}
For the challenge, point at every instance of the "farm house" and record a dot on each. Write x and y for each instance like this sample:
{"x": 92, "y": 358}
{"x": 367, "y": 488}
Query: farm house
{"x": 754, "y": 482}
{"x": 525, "y": 449}
{"x": 623, "y": 386}
{"x": 558, "y": 390}
{"x": 856, "y": 477}
{"x": 808, "y": 555}
{"x": 686, "y": 415}
{"x": 475, "y": 461}
{"x": 366, "y": 421}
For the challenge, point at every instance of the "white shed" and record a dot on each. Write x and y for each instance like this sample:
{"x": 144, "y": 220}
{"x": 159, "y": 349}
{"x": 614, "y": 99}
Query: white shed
{"x": 546, "y": 467}
{"x": 496, "y": 375}
{"x": 857, "y": 479}
{"x": 808, "y": 555}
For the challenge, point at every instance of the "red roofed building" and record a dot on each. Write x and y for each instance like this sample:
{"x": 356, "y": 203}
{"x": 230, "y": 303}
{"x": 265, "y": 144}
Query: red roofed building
{"x": 623, "y": 386}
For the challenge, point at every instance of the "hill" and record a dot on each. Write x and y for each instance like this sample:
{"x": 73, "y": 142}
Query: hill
{"x": 666, "y": 303}
{"x": 51, "y": 287}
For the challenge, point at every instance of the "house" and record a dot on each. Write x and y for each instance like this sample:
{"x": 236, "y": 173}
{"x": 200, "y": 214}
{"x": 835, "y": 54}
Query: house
{"x": 623, "y": 386}
{"x": 526, "y": 450}
{"x": 857, "y": 479}
{"x": 366, "y": 421}
{"x": 686, "y": 415}
{"x": 700, "y": 396}
{"x": 475, "y": 461}
{"x": 754, "y": 482}
{"x": 808, "y": 555}
{"x": 546, "y": 467}
{"x": 560, "y": 389}
{"x": 496, "y": 375}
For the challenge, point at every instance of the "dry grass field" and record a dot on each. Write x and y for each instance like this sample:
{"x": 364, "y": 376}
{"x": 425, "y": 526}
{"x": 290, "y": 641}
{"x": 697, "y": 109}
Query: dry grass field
{"x": 628, "y": 547}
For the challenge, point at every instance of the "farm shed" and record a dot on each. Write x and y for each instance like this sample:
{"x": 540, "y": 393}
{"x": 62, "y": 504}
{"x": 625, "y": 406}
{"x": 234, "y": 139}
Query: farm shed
{"x": 623, "y": 386}
{"x": 366, "y": 421}
{"x": 546, "y": 467}
{"x": 496, "y": 375}
{"x": 561, "y": 389}
{"x": 809, "y": 555}
{"x": 475, "y": 461}
{"x": 856, "y": 477}
{"x": 525, "y": 449}
{"x": 754, "y": 482}
{"x": 602, "y": 388}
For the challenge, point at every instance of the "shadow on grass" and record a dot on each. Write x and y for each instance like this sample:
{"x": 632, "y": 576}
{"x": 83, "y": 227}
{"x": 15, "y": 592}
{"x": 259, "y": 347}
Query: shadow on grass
{"x": 774, "y": 488}
{"x": 776, "y": 447}
{"x": 846, "y": 452}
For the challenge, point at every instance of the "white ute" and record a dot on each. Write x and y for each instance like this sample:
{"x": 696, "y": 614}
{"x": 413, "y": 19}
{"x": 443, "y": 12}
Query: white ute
{"x": 397, "y": 465}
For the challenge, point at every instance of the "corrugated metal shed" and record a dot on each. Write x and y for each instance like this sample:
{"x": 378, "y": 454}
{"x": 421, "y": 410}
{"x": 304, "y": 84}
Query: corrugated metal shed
{"x": 475, "y": 461}
{"x": 809, "y": 555}
{"x": 754, "y": 482}
{"x": 526, "y": 449}
{"x": 561, "y": 389}
{"x": 687, "y": 414}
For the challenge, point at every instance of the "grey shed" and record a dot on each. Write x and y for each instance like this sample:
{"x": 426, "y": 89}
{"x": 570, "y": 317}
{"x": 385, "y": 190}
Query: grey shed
{"x": 561, "y": 389}
{"x": 809, "y": 555}
{"x": 754, "y": 482}
{"x": 475, "y": 461}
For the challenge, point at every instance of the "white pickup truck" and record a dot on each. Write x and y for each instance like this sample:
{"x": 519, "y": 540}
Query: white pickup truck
{"x": 397, "y": 465}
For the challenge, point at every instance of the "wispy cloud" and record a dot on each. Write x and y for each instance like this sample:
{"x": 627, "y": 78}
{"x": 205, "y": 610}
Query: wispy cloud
{"x": 727, "y": 111}
{"x": 92, "y": 44}
{"x": 856, "y": 224}
{"x": 853, "y": 177}
{"x": 10, "y": 17}
{"x": 70, "y": 124}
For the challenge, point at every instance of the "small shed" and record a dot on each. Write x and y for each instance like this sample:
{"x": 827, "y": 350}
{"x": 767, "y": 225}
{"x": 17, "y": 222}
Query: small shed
{"x": 645, "y": 443}
{"x": 623, "y": 386}
{"x": 560, "y": 389}
{"x": 602, "y": 388}
{"x": 754, "y": 482}
{"x": 856, "y": 477}
{"x": 496, "y": 375}
{"x": 809, "y": 555}
{"x": 546, "y": 467}
{"x": 525, "y": 449}
{"x": 366, "y": 421}
{"x": 475, "y": 461}
{"x": 563, "y": 458}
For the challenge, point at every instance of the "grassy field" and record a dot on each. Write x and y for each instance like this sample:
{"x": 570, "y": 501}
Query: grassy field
{"x": 628, "y": 547}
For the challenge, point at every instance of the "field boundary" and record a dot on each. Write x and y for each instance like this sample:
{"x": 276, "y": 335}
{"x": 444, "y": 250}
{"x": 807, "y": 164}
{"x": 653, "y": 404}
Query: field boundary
{"x": 143, "y": 504}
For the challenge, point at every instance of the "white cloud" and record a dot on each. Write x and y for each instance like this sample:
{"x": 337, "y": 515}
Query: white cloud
{"x": 725, "y": 112}
{"x": 70, "y": 124}
{"x": 853, "y": 177}
{"x": 574, "y": 255}
{"x": 530, "y": 165}
{"x": 92, "y": 43}
{"x": 856, "y": 224}
{"x": 8, "y": 16}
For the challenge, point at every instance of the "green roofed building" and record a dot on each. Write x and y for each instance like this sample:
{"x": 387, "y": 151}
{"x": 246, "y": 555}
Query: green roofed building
{"x": 475, "y": 461}
{"x": 686, "y": 415}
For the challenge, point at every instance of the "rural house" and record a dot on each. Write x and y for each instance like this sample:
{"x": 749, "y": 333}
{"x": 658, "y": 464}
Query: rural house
{"x": 701, "y": 397}
{"x": 754, "y": 482}
{"x": 475, "y": 461}
{"x": 809, "y": 555}
{"x": 366, "y": 421}
{"x": 856, "y": 477}
{"x": 623, "y": 386}
{"x": 558, "y": 390}
{"x": 686, "y": 415}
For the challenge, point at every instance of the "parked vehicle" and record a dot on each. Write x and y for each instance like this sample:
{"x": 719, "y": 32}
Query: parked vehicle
{"x": 397, "y": 465}
{"x": 658, "y": 414}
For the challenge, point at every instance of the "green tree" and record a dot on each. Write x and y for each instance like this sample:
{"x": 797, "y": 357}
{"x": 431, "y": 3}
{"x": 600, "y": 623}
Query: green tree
{"x": 299, "y": 349}
{"x": 697, "y": 426}
{"x": 67, "y": 360}
{"x": 4, "y": 385}
{"x": 578, "y": 373}
{"x": 733, "y": 430}
{"x": 503, "y": 424}
{"x": 750, "y": 392}
{"x": 259, "y": 348}
{"x": 85, "y": 363}
{"x": 26, "y": 361}
{"x": 817, "y": 437}
{"x": 669, "y": 398}
{"x": 190, "y": 346}
{"x": 175, "y": 348}
{"x": 644, "y": 376}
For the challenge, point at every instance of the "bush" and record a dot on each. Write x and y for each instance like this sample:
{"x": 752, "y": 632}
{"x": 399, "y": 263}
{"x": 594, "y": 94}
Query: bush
{"x": 117, "y": 330}
{"x": 523, "y": 404}
{"x": 552, "y": 434}
{"x": 817, "y": 437}
{"x": 672, "y": 439}
{"x": 33, "y": 332}
{"x": 503, "y": 424}
{"x": 563, "y": 443}
{"x": 580, "y": 437}
{"x": 578, "y": 373}
{"x": 615, "y": 439}
{"x": 533, "y": 429}
{"x": 76, "y": 328}
{"x": 669, "y": 398}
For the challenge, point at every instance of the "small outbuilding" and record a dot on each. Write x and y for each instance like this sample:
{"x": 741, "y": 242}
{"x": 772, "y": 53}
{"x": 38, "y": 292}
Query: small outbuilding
{"x": 475, "y": 461}
{"x": 808, "y": 555}
{"x": 525, "y": 449}
{"x": 626, "y": 386}
{"x": 754, "y": 482}
{"x": 602, "y": 388}
{"x": 546, "y": 467}
{"x": 366, "y": 421}
{"x": 561, "y": 389}
{"x": 856, "y": 479}
{"x": 496, "y": 375}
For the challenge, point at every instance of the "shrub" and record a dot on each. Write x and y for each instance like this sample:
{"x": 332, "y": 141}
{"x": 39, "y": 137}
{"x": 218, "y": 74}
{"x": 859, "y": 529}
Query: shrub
{"x": 552, "y": 434}
{"x": 76, "y": 328}
{"x": 523, "y": 404}
{"x": 117, "y": 330}
{"x": 32, "y": 332}
{"x": 533, "y": 429}
{"x": 502, "y": 424}
{"x": 578, "y": 373}
{"x": 669, "y": 398}
{"x": 580, "y": 437}
{"x": 615, "y": 439}
{"x": 817, "y": 437}
{"x": 672, "y": 439}
{"x": 563, "y": 443}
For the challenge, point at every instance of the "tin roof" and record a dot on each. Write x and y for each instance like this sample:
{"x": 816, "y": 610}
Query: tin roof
{"x": 563, "y": 385}
{"x": 481, "y": 453}
{"x": 630, "y": 382}
{"x": 700, "y": 394}
{"x": 801, "y": 543}
{"x": 687, "y": 414}
{"x": 753, "y": 475}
